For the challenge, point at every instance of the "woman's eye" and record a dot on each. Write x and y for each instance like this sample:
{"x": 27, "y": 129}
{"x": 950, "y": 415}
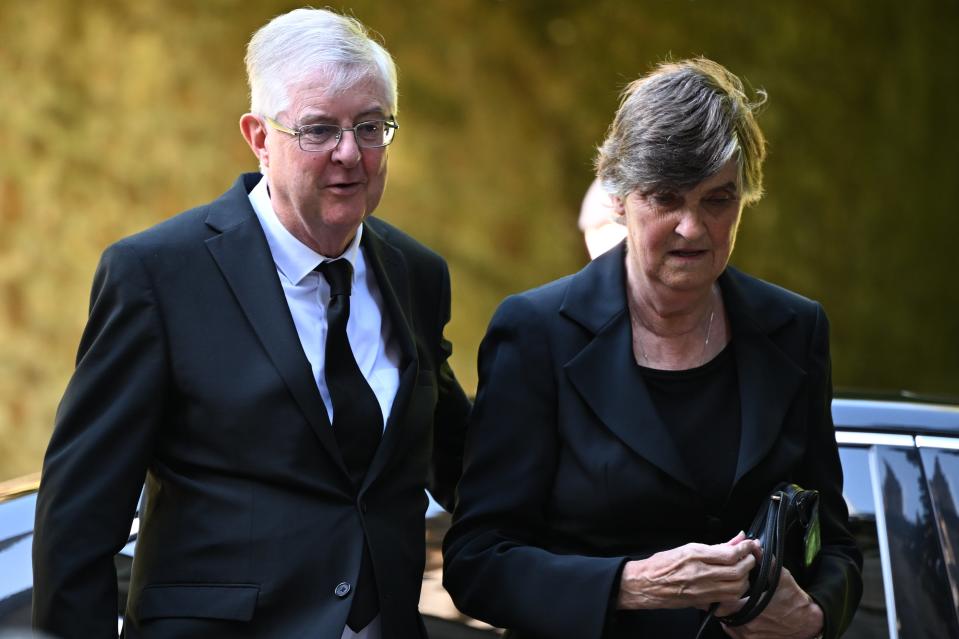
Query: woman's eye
{"x": 663, "y": 199}
{"x": 721, "y": 200}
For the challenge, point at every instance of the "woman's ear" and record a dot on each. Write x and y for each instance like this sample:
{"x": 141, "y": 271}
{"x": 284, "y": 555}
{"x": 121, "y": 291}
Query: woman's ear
{"x": 619, "y": 209}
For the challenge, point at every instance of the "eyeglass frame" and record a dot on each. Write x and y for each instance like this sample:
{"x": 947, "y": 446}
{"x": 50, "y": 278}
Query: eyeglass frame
{"x": 390, "y": 123}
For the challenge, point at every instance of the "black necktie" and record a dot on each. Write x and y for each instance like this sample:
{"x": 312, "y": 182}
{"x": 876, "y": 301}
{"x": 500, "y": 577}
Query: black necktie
{"x": 357, "y": 420}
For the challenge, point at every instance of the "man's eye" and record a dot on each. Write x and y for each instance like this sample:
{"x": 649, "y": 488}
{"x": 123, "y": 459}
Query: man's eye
{"x": 319, "y": 131}
{"x": 370, "y": 131}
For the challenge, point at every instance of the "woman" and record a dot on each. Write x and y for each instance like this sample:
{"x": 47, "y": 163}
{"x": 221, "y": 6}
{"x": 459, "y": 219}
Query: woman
{"x": 631, "y": 418}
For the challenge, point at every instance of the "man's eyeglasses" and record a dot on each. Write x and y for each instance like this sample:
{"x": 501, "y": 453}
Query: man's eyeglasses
{"x": 324, "y": 137}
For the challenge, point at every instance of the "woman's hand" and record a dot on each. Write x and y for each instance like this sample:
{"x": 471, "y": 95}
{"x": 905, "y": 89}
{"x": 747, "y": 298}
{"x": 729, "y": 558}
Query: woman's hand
{"x": 791, "y": 614}
{"x": 694, "y": 575}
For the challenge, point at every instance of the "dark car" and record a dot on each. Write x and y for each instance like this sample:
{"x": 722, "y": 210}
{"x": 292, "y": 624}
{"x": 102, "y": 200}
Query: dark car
{"x": 901, "y": 463}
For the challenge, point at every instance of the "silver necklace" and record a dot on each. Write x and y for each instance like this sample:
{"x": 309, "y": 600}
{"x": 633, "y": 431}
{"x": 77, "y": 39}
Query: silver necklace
{"x": 709, "y": 328}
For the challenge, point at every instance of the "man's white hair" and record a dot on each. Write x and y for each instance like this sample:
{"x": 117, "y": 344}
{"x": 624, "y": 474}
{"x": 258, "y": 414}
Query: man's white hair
{"x": 295, "y": 45}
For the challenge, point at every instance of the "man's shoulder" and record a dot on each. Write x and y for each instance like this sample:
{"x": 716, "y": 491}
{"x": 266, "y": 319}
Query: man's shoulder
{"x": 197, "y": 223}
{"x": 405, "y": 243}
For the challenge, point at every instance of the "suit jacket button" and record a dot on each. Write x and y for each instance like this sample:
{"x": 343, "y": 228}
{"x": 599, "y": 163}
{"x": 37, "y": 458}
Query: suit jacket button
{"x": 362, "y": 505}
{"x": 714, "y": 523}
{"x": 342, "y": 589}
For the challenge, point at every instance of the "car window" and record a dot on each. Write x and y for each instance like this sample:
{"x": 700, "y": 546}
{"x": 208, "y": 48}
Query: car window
{"x": 870, "y": 620}
{"x": 923, "y": 605}
{"x": 941, "y": 467}
{"x": 904, "y": 571}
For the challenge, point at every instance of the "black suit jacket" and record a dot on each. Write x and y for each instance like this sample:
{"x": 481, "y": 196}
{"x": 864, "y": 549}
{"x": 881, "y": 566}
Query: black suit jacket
{"x": 569, "y": 471}
{"x": 190, "y": 372}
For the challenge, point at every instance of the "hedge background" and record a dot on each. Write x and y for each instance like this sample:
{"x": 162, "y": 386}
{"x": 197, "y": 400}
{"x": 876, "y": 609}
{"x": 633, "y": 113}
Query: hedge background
{"x": 116, "y": 115}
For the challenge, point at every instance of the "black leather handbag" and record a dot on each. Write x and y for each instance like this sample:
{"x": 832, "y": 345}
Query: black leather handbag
{"x": 787, "y": 528}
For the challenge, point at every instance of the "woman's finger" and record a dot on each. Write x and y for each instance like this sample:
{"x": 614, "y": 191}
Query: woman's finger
{"x": 740, "y": 536}
{"x": 729, "y": 608}
{"x": 729, "y": 553}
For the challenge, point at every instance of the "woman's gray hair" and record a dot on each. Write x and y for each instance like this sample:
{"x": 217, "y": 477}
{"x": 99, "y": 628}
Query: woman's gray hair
{"x": 679, "y": 125}
{"x": 295, "y": 45}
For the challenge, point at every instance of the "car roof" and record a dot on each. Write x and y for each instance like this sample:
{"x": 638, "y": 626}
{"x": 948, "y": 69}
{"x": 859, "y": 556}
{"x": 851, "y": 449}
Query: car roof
{"x": 896, "y": 415}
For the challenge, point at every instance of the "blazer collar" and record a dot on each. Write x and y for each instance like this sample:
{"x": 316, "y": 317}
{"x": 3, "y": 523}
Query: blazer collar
{"x": 596, "y": 295}
{"x": 605, "y": 373}
{"x": 233, "y": 207}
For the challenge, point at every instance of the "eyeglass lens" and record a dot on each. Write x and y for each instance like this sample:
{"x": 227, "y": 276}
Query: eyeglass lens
{"x": 319, "y": 137}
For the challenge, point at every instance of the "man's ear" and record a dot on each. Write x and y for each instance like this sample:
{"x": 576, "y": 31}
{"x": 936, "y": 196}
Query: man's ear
{"x": 254, "y": 132}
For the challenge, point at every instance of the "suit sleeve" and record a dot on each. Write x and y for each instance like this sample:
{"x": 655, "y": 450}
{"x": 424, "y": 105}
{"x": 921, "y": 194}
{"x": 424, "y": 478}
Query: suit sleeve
{"x": 95, "y": 463}
{"x": 495, "y": 566}
{"x": 837, "y": 584}
{"x": 450, "y": 415}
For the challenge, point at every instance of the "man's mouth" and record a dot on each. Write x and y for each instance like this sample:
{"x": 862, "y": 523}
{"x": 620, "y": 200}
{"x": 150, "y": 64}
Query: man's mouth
{"x": 688, "y": 254}
{"x": 344, "y": 187}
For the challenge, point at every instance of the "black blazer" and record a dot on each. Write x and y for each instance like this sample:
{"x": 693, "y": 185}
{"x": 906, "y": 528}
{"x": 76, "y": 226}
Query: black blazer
{"x": 569, "y": 471}
{"x": 190, "y": 372}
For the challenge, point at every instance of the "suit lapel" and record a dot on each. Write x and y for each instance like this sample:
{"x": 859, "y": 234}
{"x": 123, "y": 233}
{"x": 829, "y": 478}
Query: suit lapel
{"x": 605, "y": 373}
{"x": 392, "y": 279}
{"x": 768, "y": 378}
{"x": 243, "y": 256}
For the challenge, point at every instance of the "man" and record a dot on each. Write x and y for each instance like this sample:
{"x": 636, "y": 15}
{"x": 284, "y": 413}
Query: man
{"x": 274, "y": 364}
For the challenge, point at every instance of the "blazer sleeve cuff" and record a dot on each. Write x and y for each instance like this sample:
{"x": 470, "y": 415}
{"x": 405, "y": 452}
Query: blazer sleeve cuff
{"x": 614, "y": 595}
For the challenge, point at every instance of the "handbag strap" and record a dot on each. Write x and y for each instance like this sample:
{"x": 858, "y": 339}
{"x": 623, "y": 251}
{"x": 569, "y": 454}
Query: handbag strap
{"x": 763, "y": 587}
{"x": 769, "y": 528}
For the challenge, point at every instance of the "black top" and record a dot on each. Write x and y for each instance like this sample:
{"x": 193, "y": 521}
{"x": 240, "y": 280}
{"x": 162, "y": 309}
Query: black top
{"x": 700, "y": 408}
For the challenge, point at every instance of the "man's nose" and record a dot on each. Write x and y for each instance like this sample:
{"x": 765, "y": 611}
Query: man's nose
{"x": 347, "y": 151}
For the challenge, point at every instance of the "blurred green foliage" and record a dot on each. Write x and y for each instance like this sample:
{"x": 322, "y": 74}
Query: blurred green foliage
{"x": 119, "y": 114}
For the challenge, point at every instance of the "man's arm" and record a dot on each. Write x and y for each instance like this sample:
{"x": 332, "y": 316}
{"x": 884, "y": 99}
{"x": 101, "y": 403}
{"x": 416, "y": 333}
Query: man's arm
{"x": 97, "y": 458}
{"x": 449, "y": 418}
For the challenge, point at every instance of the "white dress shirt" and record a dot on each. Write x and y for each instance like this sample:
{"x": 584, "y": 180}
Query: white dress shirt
{"x": 308, "y": 294}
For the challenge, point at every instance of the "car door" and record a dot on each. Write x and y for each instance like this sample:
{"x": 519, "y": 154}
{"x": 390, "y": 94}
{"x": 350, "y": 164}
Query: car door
{"x": 902, "y": 496}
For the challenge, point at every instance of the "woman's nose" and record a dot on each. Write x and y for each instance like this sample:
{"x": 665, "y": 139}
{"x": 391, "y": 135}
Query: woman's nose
{"x": 690, "y": 224}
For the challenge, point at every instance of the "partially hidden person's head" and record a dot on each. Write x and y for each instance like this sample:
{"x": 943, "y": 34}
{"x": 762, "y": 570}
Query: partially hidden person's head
{"x": 680, "y": 124}
{"x": 323, "y": 102}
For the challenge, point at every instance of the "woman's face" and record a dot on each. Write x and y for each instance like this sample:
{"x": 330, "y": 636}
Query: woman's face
{"x": 683, "y": 239}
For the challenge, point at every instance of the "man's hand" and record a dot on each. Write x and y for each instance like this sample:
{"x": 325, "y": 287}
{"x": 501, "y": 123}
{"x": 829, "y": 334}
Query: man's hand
{"x": 694, "y": 575}
{"x": 791, "y": 614}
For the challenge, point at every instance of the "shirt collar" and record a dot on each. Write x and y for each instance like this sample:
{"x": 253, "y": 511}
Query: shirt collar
{"x": 294, "y": 259}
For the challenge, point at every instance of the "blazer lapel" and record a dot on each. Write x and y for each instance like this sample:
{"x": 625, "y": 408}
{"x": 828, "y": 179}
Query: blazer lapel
{"x": 608, "y": 380}
{"x": 604, "y": 372}
{"x": 768, "y": 378}
{"x": 243, "y": 256}
{"x": 392, "y": 278}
